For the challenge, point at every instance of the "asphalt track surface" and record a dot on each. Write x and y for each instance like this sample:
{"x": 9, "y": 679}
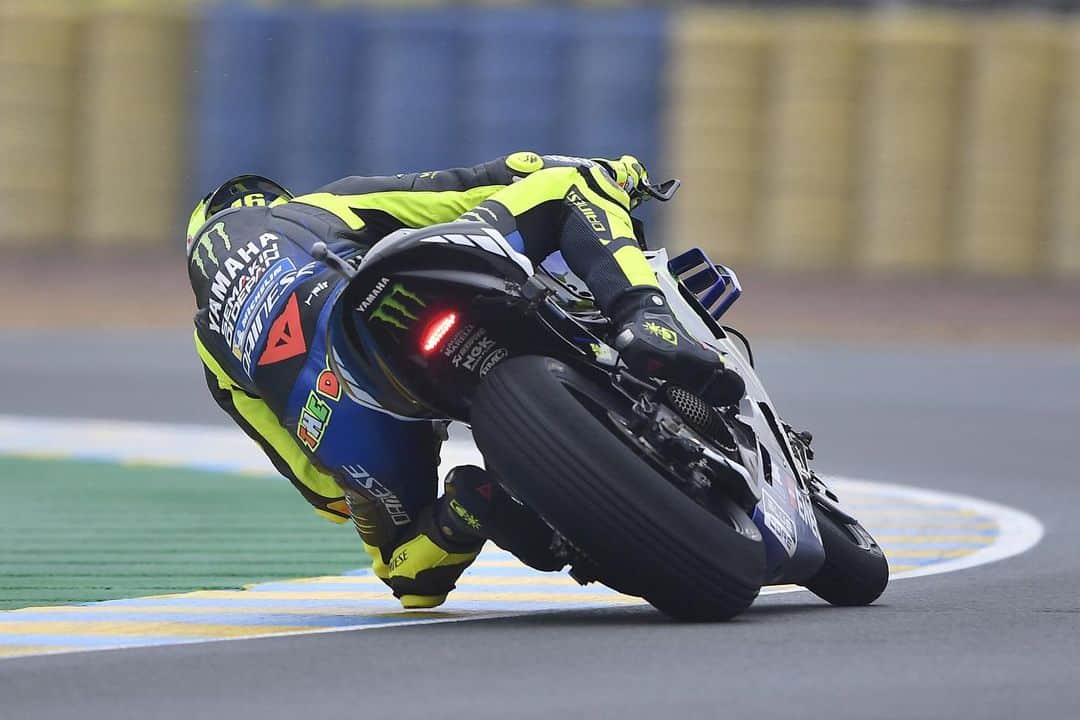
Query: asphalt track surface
{"x": 996, "y": 641}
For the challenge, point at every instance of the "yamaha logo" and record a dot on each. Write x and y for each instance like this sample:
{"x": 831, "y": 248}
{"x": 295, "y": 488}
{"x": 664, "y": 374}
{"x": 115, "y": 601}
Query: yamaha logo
{"x": 373, "y": 295}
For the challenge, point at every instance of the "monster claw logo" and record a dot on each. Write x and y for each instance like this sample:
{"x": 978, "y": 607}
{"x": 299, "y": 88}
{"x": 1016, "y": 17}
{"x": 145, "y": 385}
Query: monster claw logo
{"x": 206, "y": 243}
{"x": 664, "y": 333}
{"x": 394, "y": 309}
{"x": 197, "y": 259}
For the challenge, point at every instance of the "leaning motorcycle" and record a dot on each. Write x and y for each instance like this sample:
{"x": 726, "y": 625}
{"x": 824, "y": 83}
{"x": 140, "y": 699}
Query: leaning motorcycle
{"x": 649, "y": 490}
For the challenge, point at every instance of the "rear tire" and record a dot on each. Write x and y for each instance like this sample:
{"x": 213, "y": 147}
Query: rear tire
{"x": 539, "y": 434}
{"x": 855, "y": 570}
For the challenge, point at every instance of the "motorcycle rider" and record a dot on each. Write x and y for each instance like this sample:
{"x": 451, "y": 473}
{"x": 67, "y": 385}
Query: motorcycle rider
{"x": 266, "y": 331}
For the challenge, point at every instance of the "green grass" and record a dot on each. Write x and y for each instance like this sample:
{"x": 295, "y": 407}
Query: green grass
{"x": 78, "y": 532}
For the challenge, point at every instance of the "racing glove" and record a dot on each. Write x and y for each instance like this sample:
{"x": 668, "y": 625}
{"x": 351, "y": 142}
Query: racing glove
{"x": 628, "y": 173}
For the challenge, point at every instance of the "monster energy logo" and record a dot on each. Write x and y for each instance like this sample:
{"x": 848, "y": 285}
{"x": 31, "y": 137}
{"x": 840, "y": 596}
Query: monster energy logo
{"x": 207, "y": 244}
{"x": 394, "y": 310}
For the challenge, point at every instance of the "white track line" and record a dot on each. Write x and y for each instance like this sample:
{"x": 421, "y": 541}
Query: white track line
{"x": 1018, "y": 531}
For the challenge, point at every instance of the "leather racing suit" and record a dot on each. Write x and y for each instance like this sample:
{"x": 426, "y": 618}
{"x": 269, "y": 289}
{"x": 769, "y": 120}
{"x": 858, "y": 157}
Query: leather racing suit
{"x": 261, "y": 331}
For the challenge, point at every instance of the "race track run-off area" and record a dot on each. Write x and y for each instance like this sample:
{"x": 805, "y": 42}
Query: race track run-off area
{"x": 923, "y": 532}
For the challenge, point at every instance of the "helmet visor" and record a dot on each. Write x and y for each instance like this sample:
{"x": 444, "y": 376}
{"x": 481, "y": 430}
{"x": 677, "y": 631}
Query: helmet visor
{"x": 252, "y": 190}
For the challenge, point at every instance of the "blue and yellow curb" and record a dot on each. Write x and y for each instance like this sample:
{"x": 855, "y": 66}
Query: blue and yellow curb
{"x": 917, "y": 535}
{"x": 923, "y": 532}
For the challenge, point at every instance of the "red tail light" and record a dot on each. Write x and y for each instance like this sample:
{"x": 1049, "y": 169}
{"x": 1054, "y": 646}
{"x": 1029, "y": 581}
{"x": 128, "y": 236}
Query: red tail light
{"x": 436, "y": 332}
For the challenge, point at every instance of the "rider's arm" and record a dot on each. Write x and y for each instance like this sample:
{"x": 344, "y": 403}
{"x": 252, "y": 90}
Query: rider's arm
{"x": 389, "y": 203}
{"x": 258, "y": 421}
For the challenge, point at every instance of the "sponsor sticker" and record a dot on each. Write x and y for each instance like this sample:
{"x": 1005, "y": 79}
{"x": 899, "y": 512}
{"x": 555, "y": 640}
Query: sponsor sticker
{"x": 492, "y": 360}
{"x": 806, "y": 512}
{"x": 373, "y": 295}
{"x": 327, "y": 384}
{"x": 314, "y": 419}
{"x": 235, "y": 280}
{"x": 286, "y": 337}
{"x": 262, "y": 312}
{"x": 375, "y": 489}
{"x": 478, "y": 350}
{"x": 590, "y": 212}
{"x": 240, "y": 312}
{"x": 317, "y": 291}
{"x": 458, "y": 340}
{"x": 204, "y": 247}
{"x": 398, "y": 307}
{"x": 475, "y": 351}
{"x": 781, "y": 524}
{"x": 663, "y": 332}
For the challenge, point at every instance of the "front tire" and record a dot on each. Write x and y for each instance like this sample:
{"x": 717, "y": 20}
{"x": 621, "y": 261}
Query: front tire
{"x": 855, "y": 570}
{"x": 545, "y": 442}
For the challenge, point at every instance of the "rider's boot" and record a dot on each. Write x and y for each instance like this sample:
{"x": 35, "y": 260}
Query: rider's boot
{"x": 653, "y": 343}
{"x": 419, "y": 563}
{"x": 474, "y": 506}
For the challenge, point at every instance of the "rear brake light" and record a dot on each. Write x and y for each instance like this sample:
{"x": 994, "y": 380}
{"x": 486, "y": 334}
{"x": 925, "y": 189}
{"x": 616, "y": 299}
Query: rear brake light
{"x": 436, "y": 332}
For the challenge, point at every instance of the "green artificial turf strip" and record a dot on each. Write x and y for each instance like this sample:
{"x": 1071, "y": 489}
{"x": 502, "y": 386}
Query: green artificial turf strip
{"x": 78, "y": 532}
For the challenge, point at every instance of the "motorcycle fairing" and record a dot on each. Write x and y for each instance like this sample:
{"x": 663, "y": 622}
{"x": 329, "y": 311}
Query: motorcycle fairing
{"x": 487, "y": 287}
{"x": 792, "y": 542}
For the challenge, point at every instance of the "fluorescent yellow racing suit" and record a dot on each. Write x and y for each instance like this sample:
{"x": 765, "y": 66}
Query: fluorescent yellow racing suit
{"x": 261, "y": 332}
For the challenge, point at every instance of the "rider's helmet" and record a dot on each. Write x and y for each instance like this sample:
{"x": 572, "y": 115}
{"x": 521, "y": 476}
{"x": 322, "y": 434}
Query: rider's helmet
{"x": 240, "y": 191}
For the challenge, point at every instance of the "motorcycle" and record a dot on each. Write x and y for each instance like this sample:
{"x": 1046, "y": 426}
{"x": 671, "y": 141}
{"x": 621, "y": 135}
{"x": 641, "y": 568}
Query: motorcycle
{"x": 648, "y": 488}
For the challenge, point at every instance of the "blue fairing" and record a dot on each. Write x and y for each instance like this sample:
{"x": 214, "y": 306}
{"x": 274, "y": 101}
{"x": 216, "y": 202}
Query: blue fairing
{"x": 807, "y": 552}
{"x": 715, "y": 286}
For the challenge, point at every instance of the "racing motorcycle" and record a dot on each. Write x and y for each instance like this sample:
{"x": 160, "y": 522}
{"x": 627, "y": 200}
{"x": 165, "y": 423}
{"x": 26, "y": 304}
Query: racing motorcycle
{"x": 648, "y": 488}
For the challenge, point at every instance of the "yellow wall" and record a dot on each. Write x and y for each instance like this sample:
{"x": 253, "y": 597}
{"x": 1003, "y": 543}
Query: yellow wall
{"x": 93, "y": 115}
{"x": 133, "y": 128}
{"x": 37, "y": 90}
{"x": 716, "y": 128}
{"x": 808, "y": 179}
{"x": 1064, "y": 240}
{"x": 901, "y": 142}
{"x": 915, "y": 70}
{"x": 1005, "y": 181}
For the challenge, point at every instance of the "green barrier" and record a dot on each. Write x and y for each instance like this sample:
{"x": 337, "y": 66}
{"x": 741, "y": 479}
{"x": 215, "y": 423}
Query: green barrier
{"x": 914, "y": 84}
{"x": 133, "y": 123}
{"x": 37, "y": 91}
{"x": 809, "y": 164}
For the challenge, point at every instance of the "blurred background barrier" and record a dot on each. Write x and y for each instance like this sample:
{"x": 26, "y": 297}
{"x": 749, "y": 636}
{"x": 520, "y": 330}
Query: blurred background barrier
{"x": 131, "y": 128}
{"x": 715, "y": 128}
{"x": 817, "y": 139}
{"x": 237, "y": 100}
{"x": 914, "y": 79}
{"x": 811, "y": 128}
{"x": 37, "y": 131}
{"x": 406, "y": 84}
{"x": 1007, "y": 170}
{"x": 1065, "y": 219}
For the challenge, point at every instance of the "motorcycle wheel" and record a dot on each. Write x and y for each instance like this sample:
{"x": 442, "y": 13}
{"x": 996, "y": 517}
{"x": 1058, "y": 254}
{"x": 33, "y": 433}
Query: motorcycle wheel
{"x": 855, "y": 570}
{"x": 540, "y": 426}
